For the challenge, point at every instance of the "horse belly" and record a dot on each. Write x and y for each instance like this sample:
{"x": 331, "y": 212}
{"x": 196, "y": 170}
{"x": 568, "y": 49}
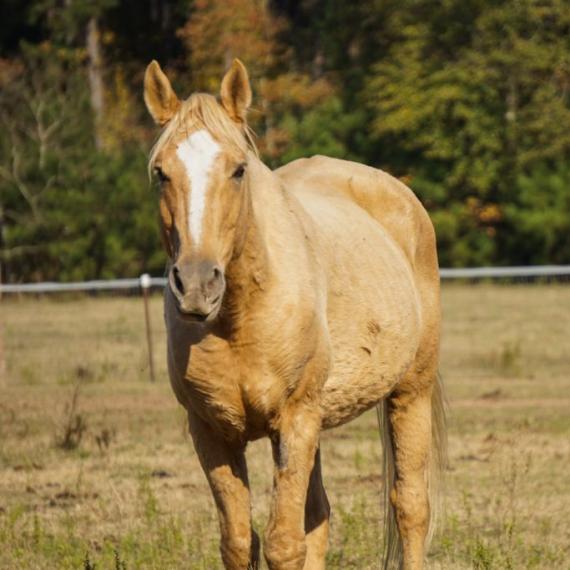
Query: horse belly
{"x": 373, "y": 310}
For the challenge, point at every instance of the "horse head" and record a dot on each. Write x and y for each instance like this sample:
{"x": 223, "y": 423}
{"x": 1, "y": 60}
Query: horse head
{"x": 200, "y": 160}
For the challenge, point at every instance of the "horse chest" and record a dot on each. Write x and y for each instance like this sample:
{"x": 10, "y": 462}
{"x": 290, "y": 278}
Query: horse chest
{"x": 233, "y": 393}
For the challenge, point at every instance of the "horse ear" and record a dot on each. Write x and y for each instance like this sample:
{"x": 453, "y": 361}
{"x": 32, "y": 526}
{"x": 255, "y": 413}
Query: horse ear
{"x": 236, "y": 92}
{"x": 161, "y": 101}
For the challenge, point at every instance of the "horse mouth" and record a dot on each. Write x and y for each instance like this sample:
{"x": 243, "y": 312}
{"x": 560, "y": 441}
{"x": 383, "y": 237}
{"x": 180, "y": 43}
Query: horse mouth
{"x": 198, "y": 317}
{"x": 195, "y": 317}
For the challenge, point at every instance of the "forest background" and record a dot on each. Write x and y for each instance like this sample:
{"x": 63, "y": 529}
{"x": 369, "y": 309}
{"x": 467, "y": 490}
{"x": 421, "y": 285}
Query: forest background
{"x": 467, "y": 101}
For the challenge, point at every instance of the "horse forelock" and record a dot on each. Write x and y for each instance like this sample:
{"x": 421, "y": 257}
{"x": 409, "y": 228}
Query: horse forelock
{"x": 202, "y": 111}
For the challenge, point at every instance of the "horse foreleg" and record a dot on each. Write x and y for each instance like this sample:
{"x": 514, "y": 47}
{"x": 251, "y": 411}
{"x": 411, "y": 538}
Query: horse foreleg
{"x": 317, "y": 513}
{"x": 409, "y": 416}
{"x": 294, "y": 447}
{"x": 225, "y": 467}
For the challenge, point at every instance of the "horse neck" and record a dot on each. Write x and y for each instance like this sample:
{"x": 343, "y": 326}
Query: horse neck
{"x": 252, "y": 273}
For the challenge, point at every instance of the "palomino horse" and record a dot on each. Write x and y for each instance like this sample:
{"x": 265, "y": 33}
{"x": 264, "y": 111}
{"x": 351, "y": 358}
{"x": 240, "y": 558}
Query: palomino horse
{"x": 296, "y": 300}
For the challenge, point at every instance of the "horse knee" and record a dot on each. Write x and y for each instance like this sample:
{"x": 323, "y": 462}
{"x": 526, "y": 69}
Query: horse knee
{"x": 240, "y": 551}
{"x": 285, "y": 549}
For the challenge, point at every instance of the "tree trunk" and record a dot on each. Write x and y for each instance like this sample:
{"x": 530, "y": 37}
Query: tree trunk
{"x": 96, "y": 87}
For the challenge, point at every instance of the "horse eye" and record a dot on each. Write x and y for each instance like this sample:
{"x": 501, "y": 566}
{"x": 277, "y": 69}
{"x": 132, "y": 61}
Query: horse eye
{"x": 160, "y": 174}
{"x": 239, "y": 172}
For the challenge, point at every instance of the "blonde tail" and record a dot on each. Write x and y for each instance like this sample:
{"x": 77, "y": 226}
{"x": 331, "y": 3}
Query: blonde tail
{"x": 393, "y": 552}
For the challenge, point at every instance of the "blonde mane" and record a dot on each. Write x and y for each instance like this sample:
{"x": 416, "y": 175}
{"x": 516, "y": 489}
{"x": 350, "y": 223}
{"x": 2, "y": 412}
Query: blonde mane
{"x": 203, "y": 110}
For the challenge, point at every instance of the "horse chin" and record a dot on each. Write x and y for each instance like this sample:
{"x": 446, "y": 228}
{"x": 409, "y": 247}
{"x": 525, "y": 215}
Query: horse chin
{"x": 198, "y": 318}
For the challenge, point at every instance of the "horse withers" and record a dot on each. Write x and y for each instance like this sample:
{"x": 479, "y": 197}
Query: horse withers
{"x": 296, "y": 300}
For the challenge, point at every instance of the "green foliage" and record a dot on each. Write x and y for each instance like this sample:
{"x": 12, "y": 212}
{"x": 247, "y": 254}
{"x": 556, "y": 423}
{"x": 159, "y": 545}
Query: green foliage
{"x": 477, "y": 110}
{"x": 70, "y": 211}
{"x": 323, "y": 129}
{"x": 539, "y": 219}
{"x": 468, "y": 101}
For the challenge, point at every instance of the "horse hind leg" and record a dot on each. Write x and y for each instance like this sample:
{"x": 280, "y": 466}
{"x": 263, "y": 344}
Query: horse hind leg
{"x": 414, "y": 435}
{"x": 317, "y": 513}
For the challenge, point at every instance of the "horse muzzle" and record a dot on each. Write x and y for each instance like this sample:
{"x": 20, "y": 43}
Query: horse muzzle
{"x": 198, "y": 287}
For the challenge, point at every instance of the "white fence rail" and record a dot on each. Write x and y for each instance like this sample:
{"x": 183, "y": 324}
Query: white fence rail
{"x": 146, "y": 281}
{"x": 103, "y": 285}
{"x": 499, "y": 272}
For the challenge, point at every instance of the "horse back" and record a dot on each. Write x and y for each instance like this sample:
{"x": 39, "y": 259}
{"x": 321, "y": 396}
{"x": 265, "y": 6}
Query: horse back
{"x": 390, "y": 202}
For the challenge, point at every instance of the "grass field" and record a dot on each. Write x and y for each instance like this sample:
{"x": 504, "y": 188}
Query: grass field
{"x": 97, "y": 471}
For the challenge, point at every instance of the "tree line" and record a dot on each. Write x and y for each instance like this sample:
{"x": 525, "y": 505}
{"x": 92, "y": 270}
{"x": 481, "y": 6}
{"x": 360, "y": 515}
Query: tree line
{"x": 467, "y": 101}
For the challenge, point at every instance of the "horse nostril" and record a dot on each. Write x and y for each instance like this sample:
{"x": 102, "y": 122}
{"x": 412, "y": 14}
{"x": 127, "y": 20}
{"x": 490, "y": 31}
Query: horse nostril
{"x": 214, "y": 285}
{"x": 177, "y": 281}
{"x": 216, "y": 275}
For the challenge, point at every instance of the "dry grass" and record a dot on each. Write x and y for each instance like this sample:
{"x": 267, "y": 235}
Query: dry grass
{"x": 130, "y": 493}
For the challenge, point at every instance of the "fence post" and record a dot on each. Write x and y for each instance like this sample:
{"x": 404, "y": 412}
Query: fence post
{"x": 145, "y": 286}
{"x": 2, "y": 357}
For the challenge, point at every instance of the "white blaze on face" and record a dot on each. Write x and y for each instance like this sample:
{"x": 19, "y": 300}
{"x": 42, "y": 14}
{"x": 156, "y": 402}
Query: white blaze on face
{"x": 197, "y": 153}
